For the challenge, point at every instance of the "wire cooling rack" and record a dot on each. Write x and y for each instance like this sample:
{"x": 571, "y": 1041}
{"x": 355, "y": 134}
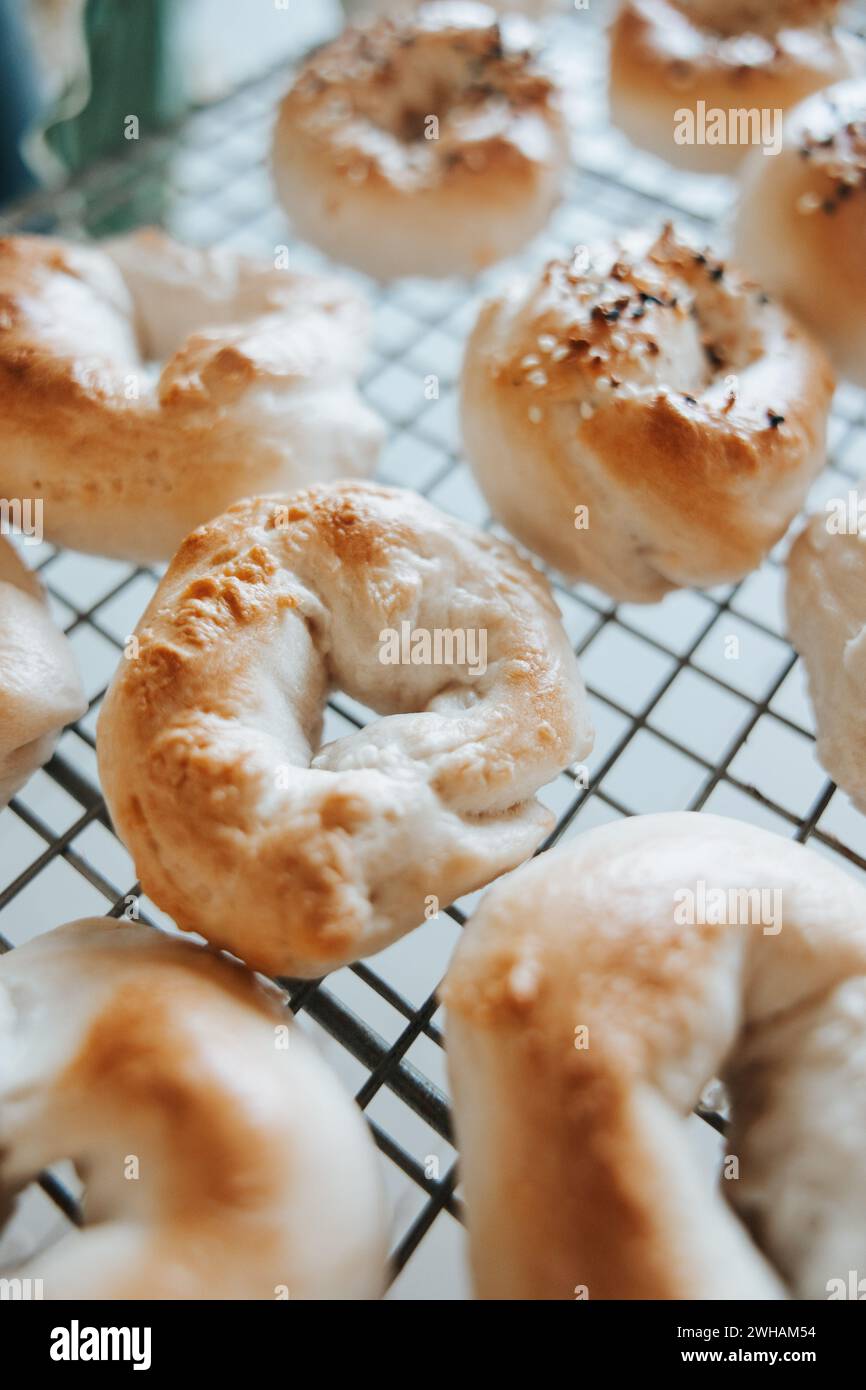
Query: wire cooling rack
{"x": 698, "y": 702}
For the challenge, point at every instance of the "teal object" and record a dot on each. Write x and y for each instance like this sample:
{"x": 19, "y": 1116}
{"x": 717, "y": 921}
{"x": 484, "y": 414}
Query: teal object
{"x": 132, "y": 75}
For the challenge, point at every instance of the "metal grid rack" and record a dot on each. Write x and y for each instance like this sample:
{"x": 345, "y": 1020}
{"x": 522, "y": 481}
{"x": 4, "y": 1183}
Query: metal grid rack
{"x": 685, "y": 719}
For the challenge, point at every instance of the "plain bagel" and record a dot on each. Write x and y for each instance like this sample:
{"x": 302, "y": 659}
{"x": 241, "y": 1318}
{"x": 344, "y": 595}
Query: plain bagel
{"x": 643, "y": 418}
{"x": 145, "y": 385}
{"x": 121, "y": 1046}
{"x": 592, "y": 997}
{"x": 676, "y": 64}
{"x": 826, "y": 604}
{"x": 40, "y": 690}
{"x": 426, "y": 144}
{"x": 297, "y": 857}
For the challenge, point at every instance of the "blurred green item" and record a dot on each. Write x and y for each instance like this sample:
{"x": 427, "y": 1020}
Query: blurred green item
{"x": 135, "y": 82}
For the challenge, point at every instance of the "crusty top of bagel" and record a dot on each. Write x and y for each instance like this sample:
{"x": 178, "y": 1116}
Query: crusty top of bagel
{"x": 743, "y": 38}
{"x": 757, "y": 16}
{"x": 363, "y": 100}
{"x": 828, "y": 131}
{"x": 665, "y": 324}
{"x": 76, "y": 321}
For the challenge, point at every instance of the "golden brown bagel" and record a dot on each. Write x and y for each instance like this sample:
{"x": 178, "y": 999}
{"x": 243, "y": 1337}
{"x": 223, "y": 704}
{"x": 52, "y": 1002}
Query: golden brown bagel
{"x": 585, "y": 1016}
{"x": 755, "y": 57}
{"x": 300, "y": 858}
{"x": 826, "y": 602}
{"x": 40, "y": 690}
{"x": 145, "y": 385}
{"x": 210, "y": 1135}
{"x": 425, "y": 144}
{"x": 644, "y": 419}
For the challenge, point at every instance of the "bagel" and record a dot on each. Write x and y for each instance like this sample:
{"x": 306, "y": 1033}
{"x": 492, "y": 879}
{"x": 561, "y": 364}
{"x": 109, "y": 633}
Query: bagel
{"x": 426, "y": 144}
{"x": 144, "y": 386}
{"x": 700, "y": 82}
{"x": 801, "y": 222}
{"x": 300, "y": 858}
{"x": 826, "y": 606}
{"x": 210, "y": 1135}
{"x": 644, "y": 421}
{"x": 40, "y": 690}
{"x": 584, "y": 1018}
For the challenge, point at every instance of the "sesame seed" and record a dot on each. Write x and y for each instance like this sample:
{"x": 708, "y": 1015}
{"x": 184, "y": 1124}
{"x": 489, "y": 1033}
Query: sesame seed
{"x": 808, "y": 202}
{"x": 535, "y": 414}
{"x": 586, "y": 410}
{"x": 530, "y": 361}
{"x": 547, "y": 342}
{"x": 537, "y": 378}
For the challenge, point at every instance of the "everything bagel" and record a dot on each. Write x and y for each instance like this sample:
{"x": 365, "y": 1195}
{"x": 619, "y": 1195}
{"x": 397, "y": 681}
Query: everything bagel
{"x": 644, "y": 419}
{"x": 426, "y": 144}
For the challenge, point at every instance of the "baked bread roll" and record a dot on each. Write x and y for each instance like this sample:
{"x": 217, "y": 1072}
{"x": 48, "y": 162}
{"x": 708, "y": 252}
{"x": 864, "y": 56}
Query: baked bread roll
{"x": 592, "y": 997}
{"x": 701, "y": 82}
{"x": 300, "y": 858}
{"x": 144, "y": 386}
{"x": 426, "y": 144}
{"x": 221, "y": 1157}
{"x": 644, "y": 420}
{"x": 801, "y": 222}
{"x": 826, "y": 603}
{"x": 40, "y": 690}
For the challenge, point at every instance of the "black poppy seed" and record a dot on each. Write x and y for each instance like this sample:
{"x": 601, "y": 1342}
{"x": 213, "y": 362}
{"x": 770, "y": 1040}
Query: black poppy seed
{"x": 763, "y": 298}
{"x": 649, "y": 298}
{"x": 639, "y": 312}
{"x": 774, "y": 419}
{"x": 716, "y": 273}
{"x": 691, "y": 400}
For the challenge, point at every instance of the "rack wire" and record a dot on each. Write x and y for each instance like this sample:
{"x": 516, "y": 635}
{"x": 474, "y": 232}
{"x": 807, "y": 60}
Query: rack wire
{"x": 685, "y": 717}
